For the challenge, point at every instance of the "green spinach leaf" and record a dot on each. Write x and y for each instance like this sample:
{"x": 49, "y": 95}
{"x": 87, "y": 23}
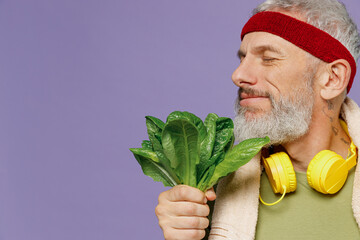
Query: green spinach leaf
{"x": 154, "y": 129}
{"x": 192, "y": 119}
{"x": 207, "y": 144}
{"x": 224, "y": 134}
{"x": 180, "y": 144}
{"x": 238, "y": 156}
{"x": 146, "y": 144}
{"x": 203, "y": 184}
{"x": 214, "y": 160}
{"x": 151, "y": 167}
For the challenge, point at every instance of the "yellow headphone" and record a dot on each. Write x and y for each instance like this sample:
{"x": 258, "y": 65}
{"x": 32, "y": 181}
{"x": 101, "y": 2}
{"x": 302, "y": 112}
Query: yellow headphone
{"x": 326, "y": 173}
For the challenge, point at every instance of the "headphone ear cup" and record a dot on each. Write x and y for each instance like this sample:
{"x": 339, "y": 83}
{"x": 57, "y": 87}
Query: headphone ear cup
{"x": 280, "y": 171}
{"x": 327, "y": 172}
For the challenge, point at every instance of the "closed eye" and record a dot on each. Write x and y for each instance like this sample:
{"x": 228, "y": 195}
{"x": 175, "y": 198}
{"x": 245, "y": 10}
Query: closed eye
{"x": 240, "y": 55}
{"x": 269, "y": 59}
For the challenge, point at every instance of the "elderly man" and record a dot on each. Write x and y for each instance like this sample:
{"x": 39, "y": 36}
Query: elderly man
{"x": 298, "y": 62}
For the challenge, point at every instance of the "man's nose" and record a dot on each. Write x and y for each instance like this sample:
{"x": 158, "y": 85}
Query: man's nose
{"x": 244, "y": 74}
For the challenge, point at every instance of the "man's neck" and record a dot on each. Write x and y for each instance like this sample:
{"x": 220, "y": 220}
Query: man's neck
{"x": 325, "y": 132}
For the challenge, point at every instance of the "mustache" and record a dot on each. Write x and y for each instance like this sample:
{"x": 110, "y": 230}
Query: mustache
{"x": 253, "y": 92}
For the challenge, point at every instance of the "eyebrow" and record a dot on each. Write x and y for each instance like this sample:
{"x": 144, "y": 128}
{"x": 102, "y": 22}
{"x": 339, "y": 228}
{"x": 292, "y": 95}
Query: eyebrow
{"x": 261, "y": 49}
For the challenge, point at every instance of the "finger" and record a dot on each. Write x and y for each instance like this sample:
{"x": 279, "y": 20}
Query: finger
{"x": 184, "y": 234}
{"x": 186, "y": 193}
{"x": 189, "y": 222}
{"x": 210, "y": 194}
{"x": 189, "y": 209}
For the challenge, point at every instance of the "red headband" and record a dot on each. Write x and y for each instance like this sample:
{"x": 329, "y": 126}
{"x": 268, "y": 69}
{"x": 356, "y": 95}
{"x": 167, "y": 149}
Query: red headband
{"x": 309, "y": 38}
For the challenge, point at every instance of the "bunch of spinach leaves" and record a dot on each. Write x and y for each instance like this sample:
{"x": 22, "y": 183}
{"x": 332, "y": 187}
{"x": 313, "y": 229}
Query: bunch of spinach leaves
{"x": 186, "y": 150}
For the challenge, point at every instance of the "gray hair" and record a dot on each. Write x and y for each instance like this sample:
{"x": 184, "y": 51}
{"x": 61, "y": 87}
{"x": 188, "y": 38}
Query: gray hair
{"x": 330, "y": 16}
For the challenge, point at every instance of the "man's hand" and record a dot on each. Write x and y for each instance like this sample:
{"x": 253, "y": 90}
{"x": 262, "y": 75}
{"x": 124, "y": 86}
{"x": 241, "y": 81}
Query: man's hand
{"x": 182, "y": 212}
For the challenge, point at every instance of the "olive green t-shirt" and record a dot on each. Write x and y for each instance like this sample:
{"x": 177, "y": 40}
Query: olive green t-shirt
{"x": 306, "y": 213}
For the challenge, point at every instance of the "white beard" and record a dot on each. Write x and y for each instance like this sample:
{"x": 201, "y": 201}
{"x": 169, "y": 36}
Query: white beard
{"x": 288, "y": 120}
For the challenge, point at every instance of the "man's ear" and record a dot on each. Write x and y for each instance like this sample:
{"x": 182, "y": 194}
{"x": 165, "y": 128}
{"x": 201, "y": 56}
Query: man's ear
{"x": 336, "y": 79}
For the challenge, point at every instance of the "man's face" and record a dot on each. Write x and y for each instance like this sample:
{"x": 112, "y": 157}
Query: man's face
{"x": 275, "y": 93}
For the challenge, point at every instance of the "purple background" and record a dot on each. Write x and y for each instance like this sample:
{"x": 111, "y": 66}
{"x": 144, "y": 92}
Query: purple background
{"x": 77, "y": 79}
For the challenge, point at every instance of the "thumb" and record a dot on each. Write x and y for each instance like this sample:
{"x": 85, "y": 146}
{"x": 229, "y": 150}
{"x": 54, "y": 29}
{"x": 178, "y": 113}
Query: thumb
{"x": 210, "y": 194}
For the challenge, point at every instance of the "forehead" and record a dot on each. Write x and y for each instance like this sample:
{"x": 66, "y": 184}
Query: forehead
{"x": 256, "y": 40}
